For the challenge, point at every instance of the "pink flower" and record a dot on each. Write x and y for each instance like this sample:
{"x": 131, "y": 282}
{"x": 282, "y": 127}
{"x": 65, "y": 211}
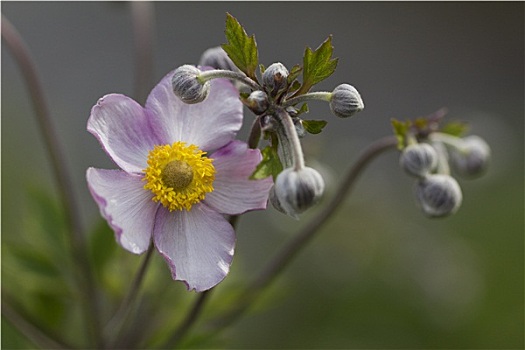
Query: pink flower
{"x": 180, "y": 172}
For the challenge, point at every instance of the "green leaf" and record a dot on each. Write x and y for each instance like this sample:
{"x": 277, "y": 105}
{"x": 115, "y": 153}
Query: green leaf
{"x": 317, "y": 65}
{"x": 457, "y": 129}
{"x": 241, "y": 48}
{"x": 294, "y": 73}
{"x": 304, "y": 109}
{"x": 401, "y": 132}
{"x": 314, "y": 126}
{"x": 269, "y": 165}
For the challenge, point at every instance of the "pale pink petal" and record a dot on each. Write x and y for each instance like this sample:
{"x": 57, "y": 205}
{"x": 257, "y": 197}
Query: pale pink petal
{"x": 121, "y": 126}
{"x": 198, "y": 245}
{"x": 126, "y": 205}
{"x": 234, "y": 193}
{"x": 210, "y": 124}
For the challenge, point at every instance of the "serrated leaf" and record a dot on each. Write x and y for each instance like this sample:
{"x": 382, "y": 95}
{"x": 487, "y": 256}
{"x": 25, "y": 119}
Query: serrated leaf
{"x": 314, "y": 126}
{"x": 270, "y": 165}
{"x": 400, "y": 131}
{"x": 317, "y": 65}
{"x": 294, "y": 73}
{"x": 241, "y": 48}
{"x": 457, "y": 129}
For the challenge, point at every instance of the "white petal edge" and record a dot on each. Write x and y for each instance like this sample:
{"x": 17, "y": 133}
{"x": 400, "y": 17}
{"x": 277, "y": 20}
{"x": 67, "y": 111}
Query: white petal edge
{"x": 234, "y": 193}
{"x": 198, "y": 245}
{"x": 126, "y": 205}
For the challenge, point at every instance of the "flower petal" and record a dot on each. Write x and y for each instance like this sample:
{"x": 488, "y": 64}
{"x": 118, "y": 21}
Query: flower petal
{"x": 210, "y": 124}
{"x": 126, "y": 205}
{"x": 121, "y": 126}
{"x": 198, "y": 245}
{"x": 234, "y": 193}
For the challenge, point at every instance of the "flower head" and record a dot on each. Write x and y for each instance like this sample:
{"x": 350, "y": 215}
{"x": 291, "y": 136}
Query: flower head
{"x": 180, "y": 173}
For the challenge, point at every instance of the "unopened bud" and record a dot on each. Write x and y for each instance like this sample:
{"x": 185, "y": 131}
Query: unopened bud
{"x": 275, "y": 78}
{"x": 438, "y": 195}
{"x": 472, "y": 160}
{"x": 257, "y": 101}
{"x": 217, "y": 58}
{"x": 297, "y": 190}
{"x": 187, "y": 86}
{"x": 418, "y": 159}
{"x": 346, "y": 101}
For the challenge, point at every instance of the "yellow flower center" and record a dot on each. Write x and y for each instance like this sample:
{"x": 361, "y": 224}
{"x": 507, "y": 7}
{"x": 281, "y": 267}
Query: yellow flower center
{"x": 179, "y": 175}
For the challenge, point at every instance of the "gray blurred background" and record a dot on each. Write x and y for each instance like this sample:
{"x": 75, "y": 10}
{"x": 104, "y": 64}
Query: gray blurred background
{"x": 380, "y": 274}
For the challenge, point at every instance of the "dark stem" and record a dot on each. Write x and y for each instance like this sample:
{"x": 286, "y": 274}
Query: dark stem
{"x": 290, "y": 250}
{"x": 62, "y": 177}
{"x": 114, "y": 327}
{"x": 142, "y": 13}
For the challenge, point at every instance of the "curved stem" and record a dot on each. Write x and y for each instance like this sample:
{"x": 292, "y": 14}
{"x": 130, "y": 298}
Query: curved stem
{"x": 311, "y": 96}
{"x": 142, "y": 19}
{"x": 114, "y": 326}
{"x": 62, "y": 177}
{"x": 222, "y": 73}
{"x": 290, "y": 250}
{"x": 289, "y": 140}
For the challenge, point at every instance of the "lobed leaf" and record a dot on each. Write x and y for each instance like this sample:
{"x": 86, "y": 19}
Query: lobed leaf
{"x": 318, "y": 65}
{"x": 241, "y": 48}
{"x": 270, "y": 165}
{"x": 400, "y": 131}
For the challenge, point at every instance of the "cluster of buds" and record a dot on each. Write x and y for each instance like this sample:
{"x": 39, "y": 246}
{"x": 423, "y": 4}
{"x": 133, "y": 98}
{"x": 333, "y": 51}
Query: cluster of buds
{"x": 273, "y": 99}
{"x": 431, "y": 156}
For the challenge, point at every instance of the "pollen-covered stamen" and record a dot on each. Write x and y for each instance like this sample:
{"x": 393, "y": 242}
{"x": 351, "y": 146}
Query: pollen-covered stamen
{"x": 179, "y": 176}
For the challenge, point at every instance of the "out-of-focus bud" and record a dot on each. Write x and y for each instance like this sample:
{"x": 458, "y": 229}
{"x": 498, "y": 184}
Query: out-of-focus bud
{"x": 418, "y": 159}
{"x": 217, "y": 58}
{"x": 472, "y": 160}
{"x": 346, "y": 101}
{"x": 186, "y": 85}
{"x": 257, "y": 102}
{"x": 297, "y": 190}
{"x": 275, "y": 78}
{"x": 438, "y": 195}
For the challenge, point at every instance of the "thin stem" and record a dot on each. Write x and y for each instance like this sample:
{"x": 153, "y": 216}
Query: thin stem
{"x": 311, "y": 96}
{"x": 222, "y": 73}
{"x": 62, "y": 177}
{"x": 255, "y": 133}
{"x": 299, "y": 241}
{"x": 142, "y": 19}
{"x": 114, "y": 326}
{"x": 30, "y": 330}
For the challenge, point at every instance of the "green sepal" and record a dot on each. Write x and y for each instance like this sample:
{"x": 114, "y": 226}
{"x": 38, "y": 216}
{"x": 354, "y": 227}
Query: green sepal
{"x": 303, "y": 109}
{"x": 270, "y": 165}
{"x": 317, "y": 65}
{"x": 401, "y": 130}
{"x": 241, "y": 48}
{"x": 457, "y": 129}
{"x": 314, "y": 126}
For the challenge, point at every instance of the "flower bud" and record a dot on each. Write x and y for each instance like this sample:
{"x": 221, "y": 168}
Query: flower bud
{"x": 418, "y": 159}
{"x": 346, "y": 101}
{"x": 297, "y": 190}
{"x": 257, "y": 102}
{"x": 217, "y": 58}
{"x": 473, "y": 159}
{"x": 438, "y": 195}
{"x": 275, "y": 78}
{"x": 186, "y": 85}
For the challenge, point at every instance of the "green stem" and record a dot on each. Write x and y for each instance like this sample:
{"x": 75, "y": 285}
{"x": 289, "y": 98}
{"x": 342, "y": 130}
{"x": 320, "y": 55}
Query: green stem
{"x": 63, "y": 178}
{"x": 222, "y": 73}
{"x": 311, "y": 96}
{"x": 299, "y": 241}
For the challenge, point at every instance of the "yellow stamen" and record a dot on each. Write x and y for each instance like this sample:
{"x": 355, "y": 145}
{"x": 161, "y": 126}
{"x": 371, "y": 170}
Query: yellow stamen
{"x": 179, "y": 175}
